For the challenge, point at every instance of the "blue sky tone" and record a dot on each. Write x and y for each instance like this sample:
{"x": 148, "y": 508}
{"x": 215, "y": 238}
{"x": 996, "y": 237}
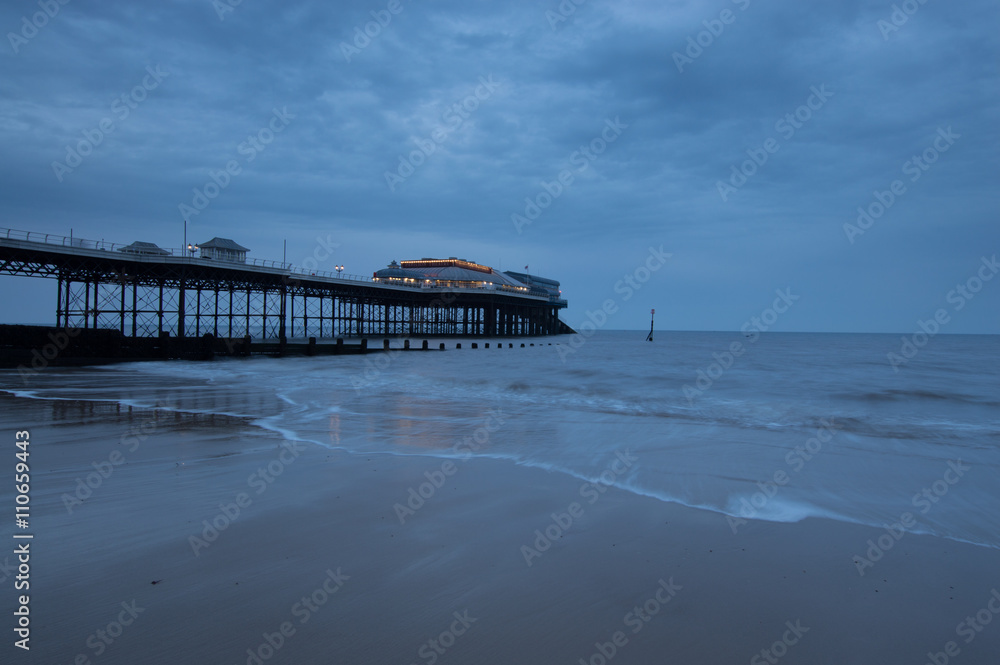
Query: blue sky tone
{"x": 739, "y": 136}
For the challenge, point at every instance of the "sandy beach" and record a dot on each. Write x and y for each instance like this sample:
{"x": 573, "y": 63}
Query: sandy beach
{"x": 575, "y": 332}
{"x": 309, "y": 562}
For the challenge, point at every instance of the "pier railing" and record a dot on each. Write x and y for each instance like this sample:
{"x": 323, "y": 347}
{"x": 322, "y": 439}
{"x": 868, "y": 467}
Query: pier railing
{"x": 71, "y": 242}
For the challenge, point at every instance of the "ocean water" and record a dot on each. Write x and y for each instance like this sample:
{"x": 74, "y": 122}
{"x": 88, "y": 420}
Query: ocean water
{"x": 796, "y": 426}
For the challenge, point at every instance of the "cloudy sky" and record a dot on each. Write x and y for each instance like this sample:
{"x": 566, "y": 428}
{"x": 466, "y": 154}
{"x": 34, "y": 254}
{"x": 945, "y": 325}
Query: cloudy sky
{"x": 739, "y": 136}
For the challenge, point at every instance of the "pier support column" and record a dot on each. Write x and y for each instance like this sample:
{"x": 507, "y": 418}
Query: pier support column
{"x": 59, "y": 305}
{"x": 86, "y": 304}
{"x": 197, "y": 312}
{"x": 159, "y": 313}
{"x": 97, "y": 307}
{"x": 135, "y": 307}
{"x": 281, "y": 323}
{"x": 249, "y": 295}
{"x": 263, "y": 315}
{"x": 122, "y": 304}
{"x": 180, "y": 310}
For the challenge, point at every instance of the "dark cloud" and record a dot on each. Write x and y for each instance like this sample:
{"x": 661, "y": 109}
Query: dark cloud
{"x": 357, "y": 105}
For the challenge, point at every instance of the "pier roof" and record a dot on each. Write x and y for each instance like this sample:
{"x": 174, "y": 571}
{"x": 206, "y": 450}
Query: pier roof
{"x": 447, "y": 272}
{"x": 140, "y": 247}
{"x": 223, "y": 243}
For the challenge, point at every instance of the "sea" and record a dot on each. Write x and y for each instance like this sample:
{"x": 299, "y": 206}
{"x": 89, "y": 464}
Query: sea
{"x": 779, "y": 427}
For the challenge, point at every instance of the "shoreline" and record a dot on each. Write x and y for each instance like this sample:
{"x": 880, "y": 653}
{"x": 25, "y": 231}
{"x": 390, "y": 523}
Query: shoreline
{"x": 330, "y": 514}
{"x": 734, "y": 521}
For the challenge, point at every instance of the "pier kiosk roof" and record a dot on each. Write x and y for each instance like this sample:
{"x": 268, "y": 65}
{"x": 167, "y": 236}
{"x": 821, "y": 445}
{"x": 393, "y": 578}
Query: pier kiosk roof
{"x": 144, "y": 248}
{"x": 223, "y": 249}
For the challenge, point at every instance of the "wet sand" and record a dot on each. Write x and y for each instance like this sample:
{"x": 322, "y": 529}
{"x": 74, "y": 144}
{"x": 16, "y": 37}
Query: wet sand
{"x": 317, "y": 568}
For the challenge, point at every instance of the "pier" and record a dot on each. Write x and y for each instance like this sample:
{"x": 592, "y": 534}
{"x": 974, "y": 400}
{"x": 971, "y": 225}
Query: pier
{"x": 143, "y": 291}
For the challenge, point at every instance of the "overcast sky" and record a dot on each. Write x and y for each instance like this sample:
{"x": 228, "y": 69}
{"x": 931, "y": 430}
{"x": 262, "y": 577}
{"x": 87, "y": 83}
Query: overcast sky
{"x": 626, "y": 124}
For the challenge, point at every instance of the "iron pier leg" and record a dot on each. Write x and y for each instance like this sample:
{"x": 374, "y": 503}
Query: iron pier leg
{"x": 159, "y": 312}
{"x": 248, "y": 312}
{"x": 180, "y": 311}
{"x": 86, "y": 304}
{"x": 281, "y": 323}
{"x": 123, "y": 304}
{"x": 181, "y": 306}
{"x": 59, "y": 306}
{"x": 135, "y": 306}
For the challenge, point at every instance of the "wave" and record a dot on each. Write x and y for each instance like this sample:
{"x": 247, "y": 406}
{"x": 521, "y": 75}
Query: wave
{"x": 897, "y": 395}
{"x": 567, "y": 417}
